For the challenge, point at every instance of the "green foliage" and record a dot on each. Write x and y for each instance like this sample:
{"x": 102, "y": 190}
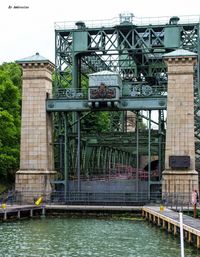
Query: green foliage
{"x": 96, "y": 122}
{"x": 14, "y": 73}
{"x": 10, "y": 100}
{"x": 2, "y": 187}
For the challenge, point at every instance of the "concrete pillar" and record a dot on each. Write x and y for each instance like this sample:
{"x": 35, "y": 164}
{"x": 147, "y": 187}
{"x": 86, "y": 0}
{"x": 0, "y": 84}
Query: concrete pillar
{"x": 180, "y": 142}
{"x": 36, "y": 150}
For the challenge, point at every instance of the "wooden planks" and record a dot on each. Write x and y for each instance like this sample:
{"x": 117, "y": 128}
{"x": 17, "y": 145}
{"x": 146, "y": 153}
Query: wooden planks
{"x": 20, "y": 211}
{"x": 169, "y": 220}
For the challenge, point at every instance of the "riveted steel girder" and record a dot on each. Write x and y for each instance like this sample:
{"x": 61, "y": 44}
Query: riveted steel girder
{"x": 60, "y": 105}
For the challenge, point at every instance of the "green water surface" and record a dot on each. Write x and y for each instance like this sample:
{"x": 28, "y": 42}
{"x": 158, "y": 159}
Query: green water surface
{"x": 81, "y": 237}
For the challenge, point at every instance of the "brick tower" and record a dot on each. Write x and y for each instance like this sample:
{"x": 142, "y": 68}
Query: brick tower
{"x": 36, "y": 151}
{"x": 180, "y": 176}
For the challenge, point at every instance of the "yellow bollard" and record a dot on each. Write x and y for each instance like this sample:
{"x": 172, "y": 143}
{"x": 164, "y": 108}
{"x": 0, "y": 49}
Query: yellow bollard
{"x": 39, "y": 200}
{"x": 161, "y": 208}
{"x": 3, "y": 206}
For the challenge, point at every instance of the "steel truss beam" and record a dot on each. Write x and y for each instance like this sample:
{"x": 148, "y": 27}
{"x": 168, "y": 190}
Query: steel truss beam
{"x": 135, "y": 52}
{"x": 60, "y": 105}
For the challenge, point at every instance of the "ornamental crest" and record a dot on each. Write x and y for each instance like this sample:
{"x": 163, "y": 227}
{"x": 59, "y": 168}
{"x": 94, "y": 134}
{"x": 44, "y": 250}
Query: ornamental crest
{"x": 102, "y": 92}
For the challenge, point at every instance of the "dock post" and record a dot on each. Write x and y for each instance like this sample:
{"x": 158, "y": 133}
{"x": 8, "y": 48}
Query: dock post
{"x": 175, "y": 230}
{"x": 18, "y": 215}
{"x": 43, "y": 211}
{"x": 168, "y": 226}
{"x": 163, "y": 224}
{"x": 31, "y": 213}
{"x": 5, "y": 215}
{"x": 198, "y": 242}
{"x": 189, "y": 237}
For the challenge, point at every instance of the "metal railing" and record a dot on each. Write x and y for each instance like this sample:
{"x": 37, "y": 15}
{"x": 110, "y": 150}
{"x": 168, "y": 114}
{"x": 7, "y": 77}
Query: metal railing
{"x": 82, "y": 198}
{"x": 178, "y": 201}
{"x": 175, "y": 201}
{"x": 127, "y": 92}
{"x": 104, "y": 198}
{"x": 144, "y": 90}
{"x": 72, "y": 93}
{"x": 138, "y": 21}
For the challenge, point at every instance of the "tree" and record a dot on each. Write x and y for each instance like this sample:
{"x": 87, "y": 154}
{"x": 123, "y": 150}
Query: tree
{"x": 10, "y": 106}
{"x": 96, "y": 122}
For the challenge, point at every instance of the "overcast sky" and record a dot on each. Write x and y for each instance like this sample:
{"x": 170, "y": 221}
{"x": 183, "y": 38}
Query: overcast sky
{"x": 23, "y": 32}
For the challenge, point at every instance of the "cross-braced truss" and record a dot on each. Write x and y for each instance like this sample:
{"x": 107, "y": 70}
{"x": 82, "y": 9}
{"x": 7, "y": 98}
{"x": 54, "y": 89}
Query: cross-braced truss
{"x": 135, "y": 51}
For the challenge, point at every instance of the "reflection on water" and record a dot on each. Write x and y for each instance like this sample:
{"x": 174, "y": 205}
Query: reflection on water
{"x": 70, "y": 237}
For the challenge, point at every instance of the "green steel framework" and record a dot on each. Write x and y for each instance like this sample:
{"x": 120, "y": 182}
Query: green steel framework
{"x": 134, "y": 48}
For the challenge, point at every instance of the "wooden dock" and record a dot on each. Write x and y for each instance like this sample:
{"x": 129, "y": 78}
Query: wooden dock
{"x": 169, "y": 220}
{"x": 20, "y": 211}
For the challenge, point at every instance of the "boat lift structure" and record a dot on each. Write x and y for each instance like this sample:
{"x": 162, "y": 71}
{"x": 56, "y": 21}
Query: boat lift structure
{"x": 109, "y": 101}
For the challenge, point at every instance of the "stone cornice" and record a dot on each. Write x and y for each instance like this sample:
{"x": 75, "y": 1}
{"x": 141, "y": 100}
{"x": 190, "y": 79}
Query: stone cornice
{"x": 38, "y": 65}
{"x": 181, "y": 60}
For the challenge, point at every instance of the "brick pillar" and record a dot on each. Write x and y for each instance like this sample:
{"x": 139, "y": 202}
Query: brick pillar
{"x": 180, "y": 124}
{"x": 36, "y": 150}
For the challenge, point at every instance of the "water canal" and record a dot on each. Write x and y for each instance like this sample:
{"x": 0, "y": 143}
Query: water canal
{"x": 76, "y": 237}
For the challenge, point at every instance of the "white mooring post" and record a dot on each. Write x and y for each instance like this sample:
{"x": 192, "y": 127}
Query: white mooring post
{"x": 181, "y": 233}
